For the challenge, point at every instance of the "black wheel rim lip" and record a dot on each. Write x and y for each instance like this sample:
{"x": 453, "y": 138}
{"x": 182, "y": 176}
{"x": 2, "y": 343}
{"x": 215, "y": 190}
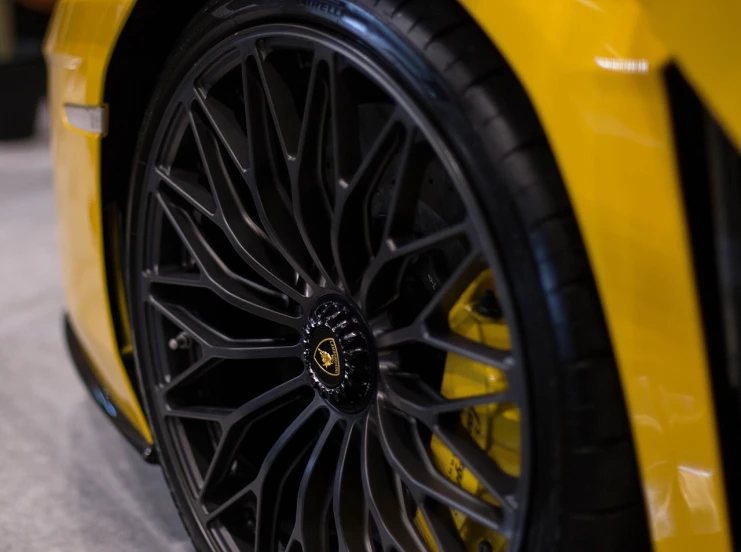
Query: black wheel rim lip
{"x": 393, "y": 84}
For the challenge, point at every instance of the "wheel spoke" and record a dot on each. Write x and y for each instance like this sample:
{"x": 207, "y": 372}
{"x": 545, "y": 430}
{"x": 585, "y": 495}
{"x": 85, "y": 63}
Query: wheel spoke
{"x": 424, "y": 481}
{"x": 226, "y": 417}
{"x": 194, "y": 371}
{"x": 350, "y": 508}
{"x": 186, "y": 184}
{"x": 245, "y": 235}
{"x": 350, "y": 236}
{"x": 202, "y": 413}
{"x": 383, "y": 505}
{"x": 217, "y": 345}
{"x": 169, "y": 277}
{"x": 345, "y": 125}
{"x": 267, "y": 398}
{"x": 216, "y": 276}
{"x": 441, "y": 303}
{"x": 219, "y": 464}
{"x": 315, "y": 492}
{"x": 265, "y": 185}
{"x": 281, "y": 448}
{"x": 405, "y": 193}
{"x": 473, "y": 350}
{"x": 220, "y": 181}
{"x": 280, "y": 104}
{"x": 415, "y": 398}
{"x": 395, "y": 250}
{"x": 430, "y": 326}
{"x": 271, "y": 481}
{"x": 450, "y": 343}
{"x": 393, "y": 256}
{"x": 496, "y": 481}
{"x": 227, "y": 129}
{"x": 309, "y": 201}
{"x": 235, "y": 431}
{"x": 442, "y": 528}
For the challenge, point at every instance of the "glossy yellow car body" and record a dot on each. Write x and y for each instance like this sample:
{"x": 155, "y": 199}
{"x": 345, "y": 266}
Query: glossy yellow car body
{"x": 593, "y": 70}
{"x": 79, "y": 45}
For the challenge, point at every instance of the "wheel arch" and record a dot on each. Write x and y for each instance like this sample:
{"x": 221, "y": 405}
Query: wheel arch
{"x": 137, "y": 59}
{"x": 139, "y": 54}
{"x": 595, "y": 74}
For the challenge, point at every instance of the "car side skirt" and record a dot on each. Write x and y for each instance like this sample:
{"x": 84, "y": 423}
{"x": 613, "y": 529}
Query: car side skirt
{"x": 102, "y": 396}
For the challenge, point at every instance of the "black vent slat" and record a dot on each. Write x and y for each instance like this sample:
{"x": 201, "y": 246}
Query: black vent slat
{"x": 710, "y": 170}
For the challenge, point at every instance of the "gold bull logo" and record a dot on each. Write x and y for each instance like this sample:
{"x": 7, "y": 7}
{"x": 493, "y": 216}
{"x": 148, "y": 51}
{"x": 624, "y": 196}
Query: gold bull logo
{"x": 326, "y": 357}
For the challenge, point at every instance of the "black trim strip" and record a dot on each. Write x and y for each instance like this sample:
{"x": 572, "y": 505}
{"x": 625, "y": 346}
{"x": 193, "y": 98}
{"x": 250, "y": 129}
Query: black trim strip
{"x": 102, "y": 397}
{"x": 112, "y": 232}
{"x": 710, "y": 187}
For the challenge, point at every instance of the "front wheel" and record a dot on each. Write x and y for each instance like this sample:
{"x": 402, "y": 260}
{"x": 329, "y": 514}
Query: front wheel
{"x": 364, "y": 319}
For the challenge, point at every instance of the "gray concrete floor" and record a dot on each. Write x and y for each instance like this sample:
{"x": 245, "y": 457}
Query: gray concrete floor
{"x": 68, "y": 480}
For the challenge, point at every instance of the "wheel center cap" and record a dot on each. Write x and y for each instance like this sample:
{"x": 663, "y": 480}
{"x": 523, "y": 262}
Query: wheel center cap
{"x": 338, "y": 354}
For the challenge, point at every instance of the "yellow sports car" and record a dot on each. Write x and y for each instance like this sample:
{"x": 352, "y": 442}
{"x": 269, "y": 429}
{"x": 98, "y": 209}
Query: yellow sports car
{"x": 406, "y": 275}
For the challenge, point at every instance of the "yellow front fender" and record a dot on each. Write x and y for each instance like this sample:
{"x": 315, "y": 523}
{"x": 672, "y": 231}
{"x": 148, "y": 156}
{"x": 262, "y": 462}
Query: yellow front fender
{"x": 78, "y": 47}
{"x": 593, "y": 70}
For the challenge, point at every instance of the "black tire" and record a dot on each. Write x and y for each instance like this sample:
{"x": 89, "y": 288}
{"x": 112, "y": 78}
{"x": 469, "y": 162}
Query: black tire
{"x": 585, "y": 492}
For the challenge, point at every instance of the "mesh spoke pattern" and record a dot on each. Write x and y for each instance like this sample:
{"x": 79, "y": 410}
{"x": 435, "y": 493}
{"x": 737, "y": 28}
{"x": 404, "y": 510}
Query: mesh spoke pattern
{"x": 288, "y": 173}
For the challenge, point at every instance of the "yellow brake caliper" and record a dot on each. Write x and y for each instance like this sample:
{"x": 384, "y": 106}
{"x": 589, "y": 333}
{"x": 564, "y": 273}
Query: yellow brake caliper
{"x": 495, "y": 427}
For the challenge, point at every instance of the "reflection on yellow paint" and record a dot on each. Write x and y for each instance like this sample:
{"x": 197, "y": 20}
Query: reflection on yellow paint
{"x": 659, "y": 501}
{"x": 619, "y": 65}
{"x": 697, "y": 491}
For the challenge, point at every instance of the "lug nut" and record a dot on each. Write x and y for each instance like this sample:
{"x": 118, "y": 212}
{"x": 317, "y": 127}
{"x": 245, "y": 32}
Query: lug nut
{"x": 485, "y": 546}
{"x": 189, "y": 262}
{"x": 181, "y": 341}
{"x": 251, "y": 519}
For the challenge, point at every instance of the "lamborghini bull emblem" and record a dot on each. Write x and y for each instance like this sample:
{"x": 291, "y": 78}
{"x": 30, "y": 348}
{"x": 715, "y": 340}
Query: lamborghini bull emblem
{"x": 326, "y": 357}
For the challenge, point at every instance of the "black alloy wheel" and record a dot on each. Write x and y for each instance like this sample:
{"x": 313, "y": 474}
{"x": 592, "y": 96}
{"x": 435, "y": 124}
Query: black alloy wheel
{"x": 302, "y": 221}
